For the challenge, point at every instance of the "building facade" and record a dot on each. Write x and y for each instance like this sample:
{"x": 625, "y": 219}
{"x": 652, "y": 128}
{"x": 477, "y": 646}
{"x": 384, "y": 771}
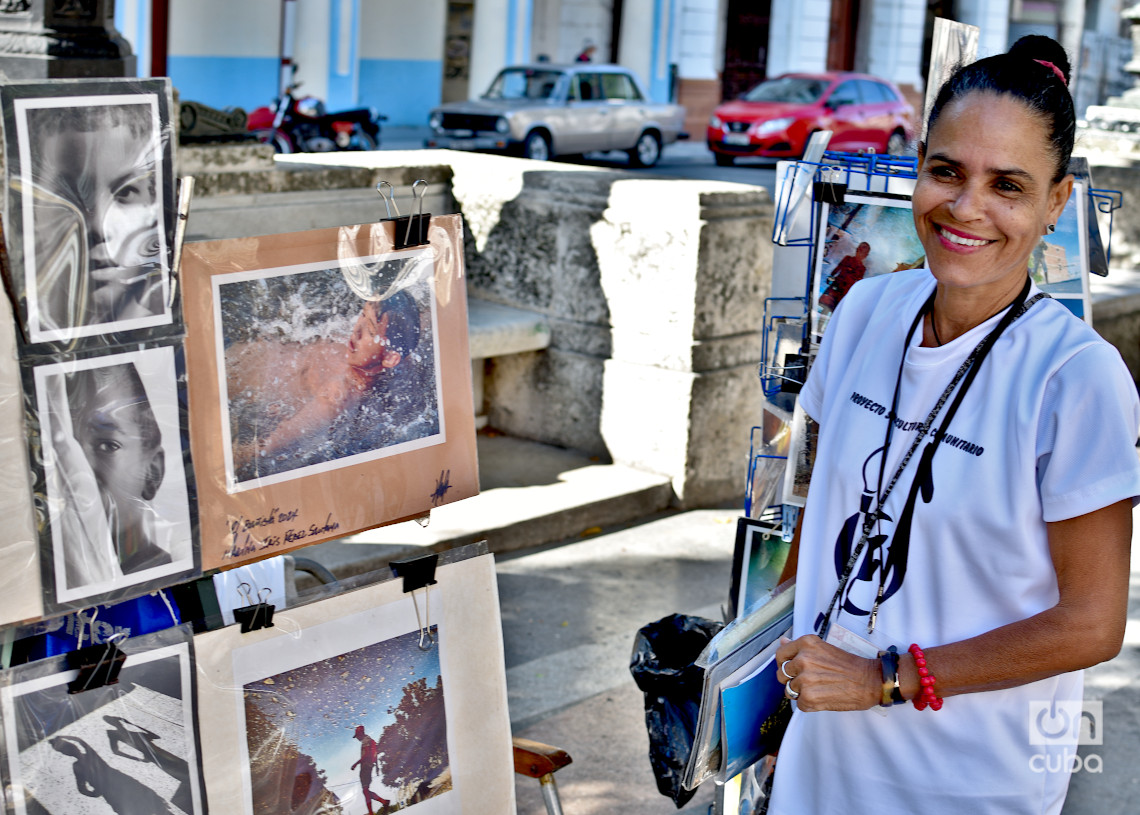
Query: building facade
{"x": 404, "y": 58}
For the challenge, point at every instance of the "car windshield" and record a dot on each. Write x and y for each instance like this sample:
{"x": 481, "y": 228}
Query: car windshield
{"x": 523, "y": 83}
{"x": 799, "y": 89}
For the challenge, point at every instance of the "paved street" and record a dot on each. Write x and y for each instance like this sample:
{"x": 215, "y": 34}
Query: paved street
{"x": 684, "y": 159}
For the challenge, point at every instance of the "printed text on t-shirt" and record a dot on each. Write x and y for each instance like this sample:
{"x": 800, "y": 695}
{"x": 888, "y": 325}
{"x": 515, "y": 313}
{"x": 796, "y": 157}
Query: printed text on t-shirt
{"x": 905, "y": 427}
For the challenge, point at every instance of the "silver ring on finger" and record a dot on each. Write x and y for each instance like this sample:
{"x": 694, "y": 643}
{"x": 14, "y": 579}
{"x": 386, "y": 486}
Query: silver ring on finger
{"x": 784, "y": 669}
{"x": 791, "y": 692}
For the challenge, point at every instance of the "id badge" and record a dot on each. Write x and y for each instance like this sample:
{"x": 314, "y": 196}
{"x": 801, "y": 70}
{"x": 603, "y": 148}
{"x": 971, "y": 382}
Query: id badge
{"x": 852, "y": 643}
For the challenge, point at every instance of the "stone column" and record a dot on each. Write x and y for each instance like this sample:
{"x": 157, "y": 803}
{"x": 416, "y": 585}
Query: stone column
{"x": 53, "y": 39}
{"x": 654, "y": 292}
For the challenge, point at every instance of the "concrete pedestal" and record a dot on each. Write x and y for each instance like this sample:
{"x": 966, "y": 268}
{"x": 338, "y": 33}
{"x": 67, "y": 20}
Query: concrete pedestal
{"x": 62, "y": 39}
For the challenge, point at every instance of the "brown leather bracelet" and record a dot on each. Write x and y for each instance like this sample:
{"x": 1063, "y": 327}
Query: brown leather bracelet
{"x": 891, "y": 693}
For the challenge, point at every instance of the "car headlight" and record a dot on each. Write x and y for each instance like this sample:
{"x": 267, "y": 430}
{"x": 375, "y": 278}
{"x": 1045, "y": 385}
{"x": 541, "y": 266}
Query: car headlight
{"x": 773, "y": 125}
{"x": 502, "y": 125}
{"x": 436, "y": 120}
{"x": 715, "y": 122}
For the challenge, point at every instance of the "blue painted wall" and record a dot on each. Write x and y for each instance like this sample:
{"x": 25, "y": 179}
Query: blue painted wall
{"x": 403, "y": 90}
{"x": 344, "y": 88}
{"x": 246, "y": 82}
{"x": 663, "y": 21}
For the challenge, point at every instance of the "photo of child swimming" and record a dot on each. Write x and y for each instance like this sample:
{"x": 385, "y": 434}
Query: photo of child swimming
{"x": 316, "y": 377}
{"x": 113, "y": 466}
{"x": 89, "y": 212}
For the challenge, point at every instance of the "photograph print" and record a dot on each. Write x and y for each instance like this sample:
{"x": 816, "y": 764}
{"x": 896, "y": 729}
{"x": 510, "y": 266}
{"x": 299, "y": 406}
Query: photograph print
{"x": 115, "y": 482}
{"x": 1059, "y": 262}
{"x": 124, "y": 749}
{"x": 361, "y": 731}
{"x": 866, "y": 236}
{"x": 315, "y": 377}
{"x": 89, "y": 218}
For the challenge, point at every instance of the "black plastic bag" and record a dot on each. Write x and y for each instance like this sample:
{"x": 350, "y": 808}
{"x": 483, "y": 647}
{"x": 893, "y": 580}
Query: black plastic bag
{"x": 662, "y": 666}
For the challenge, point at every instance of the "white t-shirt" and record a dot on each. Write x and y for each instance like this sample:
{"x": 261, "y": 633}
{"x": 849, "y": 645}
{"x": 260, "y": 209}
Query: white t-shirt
{"x": 1046, "y": 432}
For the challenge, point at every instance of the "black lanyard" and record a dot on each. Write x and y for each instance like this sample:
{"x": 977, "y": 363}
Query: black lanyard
{"x": 923, "y": 480}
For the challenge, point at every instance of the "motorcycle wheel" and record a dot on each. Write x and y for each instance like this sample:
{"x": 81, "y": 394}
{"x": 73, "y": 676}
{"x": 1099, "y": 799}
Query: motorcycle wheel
{"x": 279, "y": 140}
{"x": 363, "y": 141}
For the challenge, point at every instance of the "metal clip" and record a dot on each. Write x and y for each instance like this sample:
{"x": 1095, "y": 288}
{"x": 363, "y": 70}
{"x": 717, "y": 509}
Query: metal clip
{"x": 98, "y": 665}
{"x": 419, "y": 573}
{"x": 419, "y": 190}
{"x": 389, "y": 198}
{"x": 254, "y": 616}
{"x": 425, "y": 624}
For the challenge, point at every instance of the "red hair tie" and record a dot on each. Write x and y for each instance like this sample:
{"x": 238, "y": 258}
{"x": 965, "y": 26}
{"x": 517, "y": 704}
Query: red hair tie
{"x": 1055, "y": 70}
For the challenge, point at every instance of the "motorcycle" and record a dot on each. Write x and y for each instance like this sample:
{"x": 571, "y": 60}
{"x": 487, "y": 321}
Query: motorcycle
{"x": 303, "y": 125}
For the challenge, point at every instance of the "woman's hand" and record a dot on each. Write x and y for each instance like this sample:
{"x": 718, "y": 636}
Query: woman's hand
{"x": 827, "y": 677}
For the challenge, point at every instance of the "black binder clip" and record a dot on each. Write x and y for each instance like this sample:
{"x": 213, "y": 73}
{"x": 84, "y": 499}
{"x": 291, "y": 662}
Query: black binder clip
{"x": 409, "y": 230}
{"x": 98, "y": 665}
{"x": 254, "y": 616}
{"x": 829, "y": 192}
{"x": 419, "y": 573}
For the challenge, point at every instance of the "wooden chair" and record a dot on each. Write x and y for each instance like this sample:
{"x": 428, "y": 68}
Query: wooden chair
{"x": 536, "y": 760}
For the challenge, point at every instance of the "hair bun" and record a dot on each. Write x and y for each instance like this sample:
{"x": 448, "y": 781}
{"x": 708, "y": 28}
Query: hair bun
{"x": 1043, "y": 49}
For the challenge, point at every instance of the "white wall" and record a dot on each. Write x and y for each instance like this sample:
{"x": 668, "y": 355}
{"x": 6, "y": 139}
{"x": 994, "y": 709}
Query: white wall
{"x": 211, "y": 28}
{"x": 992, "y": 17}
{"x": 545, "y": 35}
{"x": 797, "y": 39}
{"x": 636, "y": 48}
{"x": 700, "y": 56}
{"x": 488, "y": 43}
{"x": 397, "y": 29}
{"x": 582, "y": 22}
{"x": 890, "y": 41}
{"x": 311, "y": 46}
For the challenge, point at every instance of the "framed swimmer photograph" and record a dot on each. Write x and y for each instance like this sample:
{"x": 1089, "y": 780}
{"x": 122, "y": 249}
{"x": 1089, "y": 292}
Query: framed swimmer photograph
{"x": 108, "y": 443}
{"x": 122, "y": 748}
{"x": 332, "y": 385}
{"x": 89, "y": 210}
{"x": 866, "y": 236}
{"x": 347, "y": 704}
{"x": 313, "y": 377}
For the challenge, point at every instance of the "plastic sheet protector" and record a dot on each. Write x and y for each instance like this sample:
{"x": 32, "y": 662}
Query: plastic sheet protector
{"x": 331, "y": 385}
{"x": 127, "y": 747}
{"x": 345, "y": 698}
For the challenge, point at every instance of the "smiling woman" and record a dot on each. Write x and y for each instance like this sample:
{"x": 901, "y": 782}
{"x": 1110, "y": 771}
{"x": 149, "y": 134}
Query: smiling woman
{"x": 998, "y": 569}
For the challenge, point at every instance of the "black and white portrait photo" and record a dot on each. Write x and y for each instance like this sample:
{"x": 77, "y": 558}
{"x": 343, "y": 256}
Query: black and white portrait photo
{"x": 116, "y": 486}
{"x": 125, "y": 749}
{"x": 89, "y": 210}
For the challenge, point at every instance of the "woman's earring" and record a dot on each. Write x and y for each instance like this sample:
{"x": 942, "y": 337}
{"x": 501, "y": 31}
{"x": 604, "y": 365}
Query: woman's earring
{"x": 1051, "y": 228}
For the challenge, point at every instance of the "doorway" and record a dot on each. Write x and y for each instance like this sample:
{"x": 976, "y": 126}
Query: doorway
{"x": 745, "y": 46}
{"x": 457, "y": 50}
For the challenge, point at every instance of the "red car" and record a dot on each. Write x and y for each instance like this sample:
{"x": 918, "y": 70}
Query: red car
{"x": 776, "y": 118}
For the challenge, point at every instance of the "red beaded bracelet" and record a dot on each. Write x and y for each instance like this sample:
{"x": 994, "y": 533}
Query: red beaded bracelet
{"x": 926, "y": 680}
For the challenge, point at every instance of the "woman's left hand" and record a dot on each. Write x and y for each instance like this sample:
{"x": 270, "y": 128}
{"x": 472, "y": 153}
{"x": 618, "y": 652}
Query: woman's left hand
{"x": 827, "y": 677}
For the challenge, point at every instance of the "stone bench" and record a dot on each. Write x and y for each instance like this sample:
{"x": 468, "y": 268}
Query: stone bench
{"x": 495, "y": 330}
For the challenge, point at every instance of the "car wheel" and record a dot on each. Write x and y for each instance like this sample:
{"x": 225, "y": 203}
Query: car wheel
{"x": 724, "y": 161}
{"x": 647, "y": 150}
{"x": 279, "y": 140}
{"x": 537, "y": 147}
{"x": 896, "y": 144}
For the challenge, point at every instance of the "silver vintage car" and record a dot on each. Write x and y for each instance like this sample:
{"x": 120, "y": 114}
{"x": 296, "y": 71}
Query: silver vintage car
{"x": 540, "y": 111}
